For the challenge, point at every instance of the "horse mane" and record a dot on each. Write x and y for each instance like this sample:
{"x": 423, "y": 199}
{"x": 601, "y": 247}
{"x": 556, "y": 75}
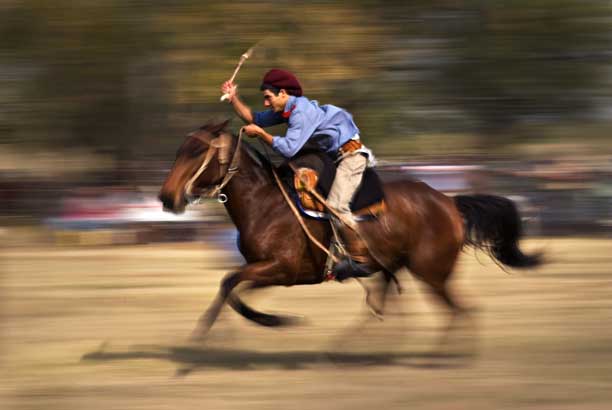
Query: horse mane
{"x": 215, "y": 128}
{"x": 260, "y": 159}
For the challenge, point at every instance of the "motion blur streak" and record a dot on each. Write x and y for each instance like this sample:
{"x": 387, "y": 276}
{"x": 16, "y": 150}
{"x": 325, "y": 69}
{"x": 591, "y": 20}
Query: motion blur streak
{"x": 99, "y": 288}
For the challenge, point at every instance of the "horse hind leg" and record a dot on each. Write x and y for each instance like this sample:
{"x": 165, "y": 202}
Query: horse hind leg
{"x": 460, "y": 335}
{"x": 442, "y": 291}
{"x": 435, "y": 272}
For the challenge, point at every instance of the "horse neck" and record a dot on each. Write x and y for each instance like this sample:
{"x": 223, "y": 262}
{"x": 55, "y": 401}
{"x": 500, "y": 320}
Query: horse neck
{"x": 246, "y": 191}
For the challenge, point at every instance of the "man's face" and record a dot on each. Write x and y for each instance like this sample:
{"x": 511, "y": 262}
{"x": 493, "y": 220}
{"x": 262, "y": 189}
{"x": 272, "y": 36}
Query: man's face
{"x": 276, "y": 102}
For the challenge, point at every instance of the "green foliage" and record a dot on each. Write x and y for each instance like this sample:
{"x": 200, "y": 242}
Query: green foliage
{"x": 131, "y": 77}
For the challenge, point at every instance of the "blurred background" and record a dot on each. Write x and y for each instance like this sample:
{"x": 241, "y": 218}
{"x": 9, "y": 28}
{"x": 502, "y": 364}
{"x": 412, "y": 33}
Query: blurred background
{"x": 99, "y": 288}
{"x": 505, "y": 97}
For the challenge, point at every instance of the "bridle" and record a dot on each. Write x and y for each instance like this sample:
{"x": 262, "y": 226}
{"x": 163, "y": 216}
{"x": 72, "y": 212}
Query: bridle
{"x": 220, "y": 144}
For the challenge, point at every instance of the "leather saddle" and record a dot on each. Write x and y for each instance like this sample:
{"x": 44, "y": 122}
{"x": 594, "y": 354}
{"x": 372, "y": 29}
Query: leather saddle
{"x": 315, "y": 169}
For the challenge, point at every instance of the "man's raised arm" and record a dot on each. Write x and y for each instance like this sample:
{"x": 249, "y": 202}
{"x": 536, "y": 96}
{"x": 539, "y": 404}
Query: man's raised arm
{"x": 241, "y": 108}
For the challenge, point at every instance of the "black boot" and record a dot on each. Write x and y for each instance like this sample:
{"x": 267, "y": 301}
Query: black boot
{"x": 348, "y": 268}
{"x": 355, "y": 265}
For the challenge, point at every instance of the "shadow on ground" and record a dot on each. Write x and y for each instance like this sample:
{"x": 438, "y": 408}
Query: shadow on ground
{"x": 190, "y": 358}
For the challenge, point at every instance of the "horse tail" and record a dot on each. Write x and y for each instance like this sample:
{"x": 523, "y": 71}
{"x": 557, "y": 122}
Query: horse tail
{"x": 493, "y": 224}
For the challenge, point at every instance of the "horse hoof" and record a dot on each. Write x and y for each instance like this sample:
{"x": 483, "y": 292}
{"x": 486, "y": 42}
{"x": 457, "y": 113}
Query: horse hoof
{"x": 374, "y": 306}
{"x": 376, "y": 314}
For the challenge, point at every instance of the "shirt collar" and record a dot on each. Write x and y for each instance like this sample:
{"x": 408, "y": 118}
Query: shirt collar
{"x": 289, "y": 106}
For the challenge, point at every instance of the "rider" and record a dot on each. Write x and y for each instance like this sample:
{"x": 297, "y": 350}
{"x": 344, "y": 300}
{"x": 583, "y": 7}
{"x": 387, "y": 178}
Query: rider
{"x": 331, "y": 129}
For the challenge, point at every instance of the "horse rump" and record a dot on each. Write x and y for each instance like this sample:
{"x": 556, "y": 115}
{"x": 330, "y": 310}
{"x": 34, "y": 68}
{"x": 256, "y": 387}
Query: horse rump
{"x": 493, "y": 224}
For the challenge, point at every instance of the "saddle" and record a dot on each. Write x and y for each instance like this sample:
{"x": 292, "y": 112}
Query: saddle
{"x": 315, "y": 169}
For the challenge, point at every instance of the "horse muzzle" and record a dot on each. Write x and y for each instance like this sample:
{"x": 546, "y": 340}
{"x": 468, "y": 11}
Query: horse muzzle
{"x": 172, "y": 203}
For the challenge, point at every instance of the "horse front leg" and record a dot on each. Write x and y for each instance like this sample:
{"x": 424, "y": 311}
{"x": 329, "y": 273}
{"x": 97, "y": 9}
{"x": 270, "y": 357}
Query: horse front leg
{"x": 259, "y": 273}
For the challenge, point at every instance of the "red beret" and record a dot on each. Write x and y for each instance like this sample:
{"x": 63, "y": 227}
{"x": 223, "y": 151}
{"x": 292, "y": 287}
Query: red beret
{"x": 282, "y": 79}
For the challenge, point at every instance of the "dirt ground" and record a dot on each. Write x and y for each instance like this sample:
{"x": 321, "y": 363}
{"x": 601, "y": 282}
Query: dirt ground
{"x": 106, "y": 328}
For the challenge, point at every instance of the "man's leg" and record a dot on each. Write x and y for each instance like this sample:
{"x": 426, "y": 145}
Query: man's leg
{"x": 348, "y": 178}
{"x": 349, "y": 174}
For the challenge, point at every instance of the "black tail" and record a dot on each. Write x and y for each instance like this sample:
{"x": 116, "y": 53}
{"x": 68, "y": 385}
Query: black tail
{"x": 494, "y": 225}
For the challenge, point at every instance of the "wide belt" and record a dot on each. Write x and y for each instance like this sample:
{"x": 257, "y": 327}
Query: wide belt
{"x": 350, "y": 146}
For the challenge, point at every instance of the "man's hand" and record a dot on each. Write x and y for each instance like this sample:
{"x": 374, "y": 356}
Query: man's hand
{"x": 230, "y": 89}
{"x": 253, "y": 130}
{"x": 230, "y": 93}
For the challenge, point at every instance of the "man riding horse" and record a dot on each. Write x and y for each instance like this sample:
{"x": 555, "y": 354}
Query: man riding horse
{"x": 327, "y": 128}
{"x": 421, "y": 229}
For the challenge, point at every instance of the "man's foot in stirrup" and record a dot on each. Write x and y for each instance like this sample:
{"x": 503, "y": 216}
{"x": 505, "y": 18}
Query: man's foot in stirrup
{"x": 348, "y": 268}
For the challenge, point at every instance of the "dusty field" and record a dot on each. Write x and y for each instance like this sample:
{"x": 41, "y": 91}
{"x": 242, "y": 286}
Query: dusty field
{"x": 105, "y": 328}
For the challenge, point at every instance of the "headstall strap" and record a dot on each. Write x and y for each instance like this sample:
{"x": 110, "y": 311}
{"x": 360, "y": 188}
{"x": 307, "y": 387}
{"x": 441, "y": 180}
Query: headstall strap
{"x": 221, "y": 144}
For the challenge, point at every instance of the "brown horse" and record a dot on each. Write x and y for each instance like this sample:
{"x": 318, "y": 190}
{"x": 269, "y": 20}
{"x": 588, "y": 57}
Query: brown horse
{"x": 422, "y": 229}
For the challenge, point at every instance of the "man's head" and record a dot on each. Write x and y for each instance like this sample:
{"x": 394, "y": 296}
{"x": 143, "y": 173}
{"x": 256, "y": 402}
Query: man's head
{"x": 277, "y": 85}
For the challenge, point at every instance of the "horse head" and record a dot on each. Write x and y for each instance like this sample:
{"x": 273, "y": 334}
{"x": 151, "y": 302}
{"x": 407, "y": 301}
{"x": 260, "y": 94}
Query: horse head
{"x": 201, "y": 167}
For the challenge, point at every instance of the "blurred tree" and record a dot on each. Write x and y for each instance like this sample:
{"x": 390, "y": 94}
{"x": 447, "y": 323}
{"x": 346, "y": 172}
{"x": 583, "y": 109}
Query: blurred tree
{"x": 130, "y": 77}
{"x": 502, "y": 61}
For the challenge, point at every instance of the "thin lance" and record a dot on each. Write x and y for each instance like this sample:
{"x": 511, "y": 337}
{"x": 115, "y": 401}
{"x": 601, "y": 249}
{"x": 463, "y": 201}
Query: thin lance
{"x": 243, "y": 58}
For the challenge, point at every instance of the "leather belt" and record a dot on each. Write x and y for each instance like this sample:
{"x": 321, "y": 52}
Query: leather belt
{"x": 350, "y": 146}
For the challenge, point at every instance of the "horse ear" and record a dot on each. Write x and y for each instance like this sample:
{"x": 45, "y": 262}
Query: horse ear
{"x": 217, "y": 128}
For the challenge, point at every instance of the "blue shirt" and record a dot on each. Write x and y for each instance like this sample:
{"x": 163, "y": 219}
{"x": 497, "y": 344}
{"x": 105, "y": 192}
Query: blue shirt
{"x": 326, "y": 125}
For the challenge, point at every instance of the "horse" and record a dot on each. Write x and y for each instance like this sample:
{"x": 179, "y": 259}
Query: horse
{"x": 422, "y": 229}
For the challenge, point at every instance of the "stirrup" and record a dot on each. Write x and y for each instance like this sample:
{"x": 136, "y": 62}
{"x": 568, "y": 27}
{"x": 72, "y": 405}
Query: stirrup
{"x": 335, "y": 249}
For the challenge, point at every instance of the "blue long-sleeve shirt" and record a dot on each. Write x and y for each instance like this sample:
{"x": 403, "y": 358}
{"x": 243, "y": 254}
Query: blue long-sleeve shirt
{"x": 328, "y": 126}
